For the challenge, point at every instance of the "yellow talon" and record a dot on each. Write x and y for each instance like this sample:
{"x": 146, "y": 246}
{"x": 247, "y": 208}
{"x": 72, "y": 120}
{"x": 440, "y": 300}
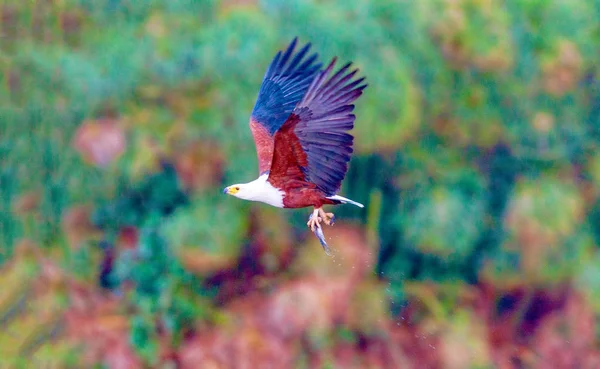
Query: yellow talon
{"x": 328, "y": 218}
{"x": 318, "y": 216}
{"x": 314, "y": 220}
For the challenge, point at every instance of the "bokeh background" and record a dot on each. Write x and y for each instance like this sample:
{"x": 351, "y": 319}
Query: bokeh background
{"x": 477, "y": 156}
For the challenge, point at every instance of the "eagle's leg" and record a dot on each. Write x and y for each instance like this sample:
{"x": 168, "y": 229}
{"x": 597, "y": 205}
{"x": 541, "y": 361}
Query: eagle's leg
{"x": 314, "y": 221}
{"x": 319, "y": 215}
{"x": 328, "y": 218}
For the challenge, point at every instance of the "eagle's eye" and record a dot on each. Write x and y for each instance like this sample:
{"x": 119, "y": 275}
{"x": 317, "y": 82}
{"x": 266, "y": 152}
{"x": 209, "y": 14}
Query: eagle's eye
{"x": 237, "y": 188}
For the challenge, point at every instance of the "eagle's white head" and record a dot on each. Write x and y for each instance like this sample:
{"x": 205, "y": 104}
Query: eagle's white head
{"x": 242, "y": 190}
{"x": 257, "y": 190}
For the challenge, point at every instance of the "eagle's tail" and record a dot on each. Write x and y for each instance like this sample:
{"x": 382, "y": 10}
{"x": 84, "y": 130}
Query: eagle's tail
{"x": 344, "y": 200}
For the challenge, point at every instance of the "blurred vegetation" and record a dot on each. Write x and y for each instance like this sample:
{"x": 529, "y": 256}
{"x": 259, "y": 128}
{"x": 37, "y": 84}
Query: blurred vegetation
{"x": 477, "y": 157}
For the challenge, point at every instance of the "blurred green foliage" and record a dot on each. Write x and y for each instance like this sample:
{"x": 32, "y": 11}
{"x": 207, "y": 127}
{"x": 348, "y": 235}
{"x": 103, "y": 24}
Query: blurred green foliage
{"x": 479, "y": 129}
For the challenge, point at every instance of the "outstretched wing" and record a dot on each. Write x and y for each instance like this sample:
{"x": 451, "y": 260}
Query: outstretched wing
{"x": 287, "y": 79}
{"x": 314, "y": 145}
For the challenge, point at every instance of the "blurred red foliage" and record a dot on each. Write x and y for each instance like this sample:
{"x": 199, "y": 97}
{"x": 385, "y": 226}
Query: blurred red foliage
{"x": 95, "y": 321}
{"x": 333, "y": 311}
{"x": 100, "y": 141}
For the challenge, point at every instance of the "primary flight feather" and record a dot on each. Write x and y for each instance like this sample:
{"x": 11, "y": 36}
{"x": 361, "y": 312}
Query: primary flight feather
{"x": 300, "y": 125}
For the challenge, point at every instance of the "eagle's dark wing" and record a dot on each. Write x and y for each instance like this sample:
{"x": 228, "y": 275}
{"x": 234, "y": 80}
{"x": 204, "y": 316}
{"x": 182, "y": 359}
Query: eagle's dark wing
{"x": 286, "y": 81}
{"x": 314, "y": 145}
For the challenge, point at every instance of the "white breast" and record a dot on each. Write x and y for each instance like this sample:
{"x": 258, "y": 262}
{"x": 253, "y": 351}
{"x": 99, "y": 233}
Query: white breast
{"x": 263, "y": 191}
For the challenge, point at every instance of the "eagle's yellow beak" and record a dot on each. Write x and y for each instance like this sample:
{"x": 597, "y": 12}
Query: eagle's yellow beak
{"x": 231, "y": 190}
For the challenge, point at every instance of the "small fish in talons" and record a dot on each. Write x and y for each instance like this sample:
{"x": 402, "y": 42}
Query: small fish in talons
{"x": 318, "y": 231}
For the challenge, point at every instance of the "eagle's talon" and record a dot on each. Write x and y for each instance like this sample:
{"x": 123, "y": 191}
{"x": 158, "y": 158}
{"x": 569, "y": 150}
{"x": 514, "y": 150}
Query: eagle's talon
{"x": 314, "y": 221}
{"x": 328, "y": 218}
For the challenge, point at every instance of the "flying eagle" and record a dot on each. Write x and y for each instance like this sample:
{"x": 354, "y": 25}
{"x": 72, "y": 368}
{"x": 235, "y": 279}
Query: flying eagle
{"x": 300, "y": 125}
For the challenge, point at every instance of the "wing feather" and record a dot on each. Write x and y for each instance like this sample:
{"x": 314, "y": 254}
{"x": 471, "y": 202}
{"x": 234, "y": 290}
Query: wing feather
{"x": 285, "y": 82}
{"x": 314, "y": 145}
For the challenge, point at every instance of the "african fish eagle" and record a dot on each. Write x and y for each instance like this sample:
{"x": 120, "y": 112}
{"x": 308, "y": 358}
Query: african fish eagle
{"x": 300, "y": 125}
